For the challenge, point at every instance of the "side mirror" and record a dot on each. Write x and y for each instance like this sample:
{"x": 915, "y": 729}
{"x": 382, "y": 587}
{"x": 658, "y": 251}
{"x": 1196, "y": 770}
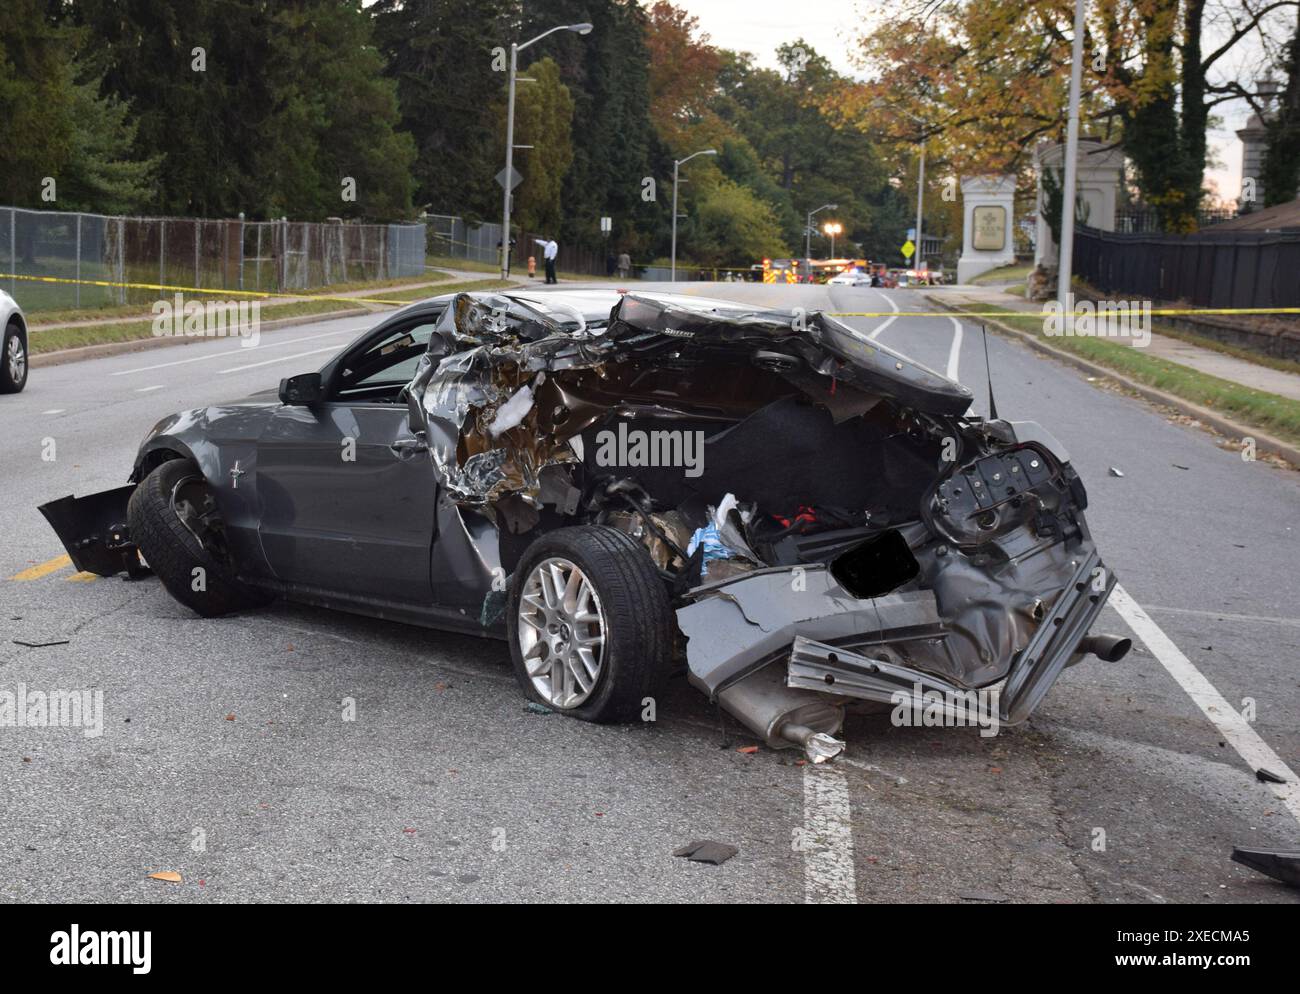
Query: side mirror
{"x": 301, "y": 390}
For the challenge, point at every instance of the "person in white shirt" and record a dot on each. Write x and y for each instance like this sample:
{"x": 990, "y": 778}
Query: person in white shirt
{"x": 549, "y": 251}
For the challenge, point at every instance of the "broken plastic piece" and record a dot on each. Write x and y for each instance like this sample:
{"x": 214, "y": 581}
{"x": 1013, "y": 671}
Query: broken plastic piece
{"x": 706, "y": 851}
{"x": 1279, "y": 864}
{"x": 1268, "y": 776}
{"x": 511, "y": 413}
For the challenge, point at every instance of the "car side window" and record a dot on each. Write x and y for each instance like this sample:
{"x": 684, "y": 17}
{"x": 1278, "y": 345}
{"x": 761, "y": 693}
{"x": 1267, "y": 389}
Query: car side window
{"x": 385, "y": 366}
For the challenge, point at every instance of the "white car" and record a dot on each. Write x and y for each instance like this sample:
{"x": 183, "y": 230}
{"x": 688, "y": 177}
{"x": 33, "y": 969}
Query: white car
{"x": 854, "y": 277}
{"x": 13, "y": 349}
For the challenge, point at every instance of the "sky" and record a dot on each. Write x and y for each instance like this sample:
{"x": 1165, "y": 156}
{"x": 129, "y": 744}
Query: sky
{"x": 759, "y": 26}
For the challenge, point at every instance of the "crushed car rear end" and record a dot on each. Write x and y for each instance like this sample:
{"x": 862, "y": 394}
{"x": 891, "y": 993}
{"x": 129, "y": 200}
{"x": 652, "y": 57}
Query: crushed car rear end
{"x": 845, "y": 533}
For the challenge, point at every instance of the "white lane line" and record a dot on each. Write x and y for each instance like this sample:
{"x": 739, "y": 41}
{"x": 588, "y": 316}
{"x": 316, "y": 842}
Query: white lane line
{"x": 889, "y": 320}
{"x": 954, "y": 354}
{"x": 1226, "y": 616}
{"x": 156, "y": 386}
{"x": 1223, "y": 716}
{"x": 829, "y": 877}
{"x": 225, "y": 354}
{"x": 283, "y": 358}
{"x": 53, "y": 410}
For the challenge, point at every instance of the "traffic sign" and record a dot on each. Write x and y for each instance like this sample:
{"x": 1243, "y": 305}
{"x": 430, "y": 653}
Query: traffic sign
{"x": 515, "y": 178}
{"x": 908, "y": 249}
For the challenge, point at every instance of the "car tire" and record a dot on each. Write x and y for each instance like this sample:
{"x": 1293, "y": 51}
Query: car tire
{"x": 173, "y": 550}
{"x": 14, "y": 360}
{"x": 633, "y": 616}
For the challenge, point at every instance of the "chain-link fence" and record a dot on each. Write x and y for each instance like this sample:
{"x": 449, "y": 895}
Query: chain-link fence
{"x": 101, "y": 257}
{"x": 453, "y": 237}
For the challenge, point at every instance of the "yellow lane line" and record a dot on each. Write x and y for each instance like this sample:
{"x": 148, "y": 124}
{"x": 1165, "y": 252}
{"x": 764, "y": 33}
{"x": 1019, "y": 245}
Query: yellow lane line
{"x": 44, "y": 569}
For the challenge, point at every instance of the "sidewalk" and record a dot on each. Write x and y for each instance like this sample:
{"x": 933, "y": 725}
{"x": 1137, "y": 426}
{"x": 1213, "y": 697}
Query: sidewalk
{"x": 454, "y": 276}
{"x": 1208, "y": 361}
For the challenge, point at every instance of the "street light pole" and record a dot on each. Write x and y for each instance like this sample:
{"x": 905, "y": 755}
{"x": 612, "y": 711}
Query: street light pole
{"x": 808, "y": 230}
{"x": 833, "y": 228}
{"x": 1065, "y": 264}
{"x": 515, "y": 49}
{"x": 920, "y": 201}
{"x": 676, "y": 164}
{"x": 510, "y": 164}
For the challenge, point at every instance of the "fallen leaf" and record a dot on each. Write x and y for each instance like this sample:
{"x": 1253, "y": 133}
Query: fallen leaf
{"x": 230, "y": 717}
{"x": 171, "y": 876}
{"x": 747, "y": 749}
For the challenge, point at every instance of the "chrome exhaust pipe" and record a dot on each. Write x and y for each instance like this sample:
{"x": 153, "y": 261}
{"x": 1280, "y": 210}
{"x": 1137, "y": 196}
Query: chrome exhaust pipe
{"x": 1108, "y": 648}
{"x": 785, "y": 717}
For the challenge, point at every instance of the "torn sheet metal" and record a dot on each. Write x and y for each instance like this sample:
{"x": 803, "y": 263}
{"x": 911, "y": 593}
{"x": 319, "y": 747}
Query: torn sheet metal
{"x": 736, "y": 624}
{"x": 481, "y": 386}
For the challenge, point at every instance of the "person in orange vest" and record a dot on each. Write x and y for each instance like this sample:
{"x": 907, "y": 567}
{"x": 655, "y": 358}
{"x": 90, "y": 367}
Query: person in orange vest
{"x": 532, "y": 267}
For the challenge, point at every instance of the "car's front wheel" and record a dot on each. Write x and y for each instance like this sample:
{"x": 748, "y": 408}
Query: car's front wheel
{"x": 590, "y": 625}
{"x": 176, "y": 525}
{"x": 13, "y": 359}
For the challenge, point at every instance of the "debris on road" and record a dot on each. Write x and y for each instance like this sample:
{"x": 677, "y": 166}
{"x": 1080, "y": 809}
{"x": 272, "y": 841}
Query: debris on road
{"x": 707, "y": 851}
{"x": 1268, "y": 776}
{"x": 1115, "y": 472}
{"x": 42, "y": 645}
{"x": 532, "y": 707}
{"x": 168, "y": 876}
{"x": 1282, "y": 865}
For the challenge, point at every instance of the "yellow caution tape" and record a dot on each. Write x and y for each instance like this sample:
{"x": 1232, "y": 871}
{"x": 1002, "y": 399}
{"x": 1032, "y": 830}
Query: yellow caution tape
{"x": 258, "y": 294}
{"x": 1133, "y": 312}
{"x": 269, "y": 294}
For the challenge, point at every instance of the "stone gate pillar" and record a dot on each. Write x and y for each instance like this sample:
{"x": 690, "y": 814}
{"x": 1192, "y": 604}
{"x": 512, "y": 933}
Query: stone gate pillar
{"x": 987, "y": 216}
{"x": 1100, "y": 172}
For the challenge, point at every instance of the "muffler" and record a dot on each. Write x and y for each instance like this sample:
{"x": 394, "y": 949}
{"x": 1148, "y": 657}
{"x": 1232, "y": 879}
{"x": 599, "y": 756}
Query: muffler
{"x": 1108, "y": 648}
{"x": 785, "y": 717}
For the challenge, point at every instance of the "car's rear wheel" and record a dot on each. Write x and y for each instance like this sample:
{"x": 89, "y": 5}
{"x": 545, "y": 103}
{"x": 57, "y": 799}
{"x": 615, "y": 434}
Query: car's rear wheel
{"x": 176, "y": 525}
{"x": 13, "y": 359}
{"x": 590, "y": 625}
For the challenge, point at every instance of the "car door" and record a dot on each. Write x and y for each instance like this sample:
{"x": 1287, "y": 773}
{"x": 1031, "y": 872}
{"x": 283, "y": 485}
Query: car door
{"x": 346, "y": 485}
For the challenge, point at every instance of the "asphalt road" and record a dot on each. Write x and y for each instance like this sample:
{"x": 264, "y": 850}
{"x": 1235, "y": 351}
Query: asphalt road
{"x": 224, "y": 756}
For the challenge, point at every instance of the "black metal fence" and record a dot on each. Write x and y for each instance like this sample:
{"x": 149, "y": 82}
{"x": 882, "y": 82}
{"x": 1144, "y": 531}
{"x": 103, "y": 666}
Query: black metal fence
{"x": 1145, "y": 221}
{"x": 1207, "y": 269}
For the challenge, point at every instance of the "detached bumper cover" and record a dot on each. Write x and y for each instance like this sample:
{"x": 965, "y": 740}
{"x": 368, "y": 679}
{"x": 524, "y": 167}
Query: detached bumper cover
{"x": 94, "y": 531}
{"x": 737, "y": 626}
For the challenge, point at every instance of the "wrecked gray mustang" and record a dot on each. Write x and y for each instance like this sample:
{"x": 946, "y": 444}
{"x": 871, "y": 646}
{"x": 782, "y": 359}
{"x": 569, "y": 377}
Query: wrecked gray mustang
{"x": 620, "y": 485}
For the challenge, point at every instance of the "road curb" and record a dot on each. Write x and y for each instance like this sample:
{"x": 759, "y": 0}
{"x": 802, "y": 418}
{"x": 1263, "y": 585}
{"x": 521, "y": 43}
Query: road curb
{"x": 62, "y": 356}
{"x": 1226, "y": 426}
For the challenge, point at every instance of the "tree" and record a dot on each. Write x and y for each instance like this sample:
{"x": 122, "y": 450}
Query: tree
{"x": 733, "y": 227}
{"x": 683, "y": 74}
{"x": 616, "y": 149}
{"x": 989, "y": 79}
{"x": 448, "y": 59}
{"x": 544, "y": 120}
{"x": 1281, "y": 179}
{"x": 56, "y": 124}
{"x": 811, "y": 158}
{"x": 255, "y": 106}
